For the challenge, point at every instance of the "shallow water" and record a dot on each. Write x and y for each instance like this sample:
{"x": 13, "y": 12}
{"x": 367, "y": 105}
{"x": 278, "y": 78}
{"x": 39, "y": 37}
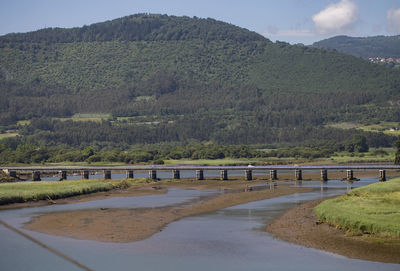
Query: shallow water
{"x": 229, "y": 239}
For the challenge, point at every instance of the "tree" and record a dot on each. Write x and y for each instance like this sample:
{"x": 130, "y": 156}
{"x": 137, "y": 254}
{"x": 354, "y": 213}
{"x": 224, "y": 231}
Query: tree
{"x": 397, "y": 158}
{"x": 87, "y": 152}
{"x": 360, "y": 143}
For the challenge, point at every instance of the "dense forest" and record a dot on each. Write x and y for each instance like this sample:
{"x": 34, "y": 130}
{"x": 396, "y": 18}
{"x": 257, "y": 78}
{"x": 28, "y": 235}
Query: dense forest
{"x": 178, "y": 79}
{"x": 365, "y": 47}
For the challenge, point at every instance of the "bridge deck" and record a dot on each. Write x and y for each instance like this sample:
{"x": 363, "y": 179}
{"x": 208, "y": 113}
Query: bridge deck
{"x": 167, "y": 168}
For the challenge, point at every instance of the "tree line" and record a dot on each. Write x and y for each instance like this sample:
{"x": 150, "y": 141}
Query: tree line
{"x": 23, "y": 150}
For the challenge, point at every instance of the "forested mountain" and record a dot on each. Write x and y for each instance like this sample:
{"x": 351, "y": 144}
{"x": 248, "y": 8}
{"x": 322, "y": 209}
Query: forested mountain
{"x": 165, "y": 78}
{"x": 365, "y": 47}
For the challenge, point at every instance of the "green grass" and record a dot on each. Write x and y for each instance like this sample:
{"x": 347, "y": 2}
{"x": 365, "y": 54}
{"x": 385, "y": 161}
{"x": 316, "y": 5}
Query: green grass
{"x": 385, "y": 127}
{"x": 372, "y": 156}
{"x": 211, "y": 162}
{"x": 23, "y": 122}
{"x": 45, "y": 190}
{"x": 219, "y": 162}
{"x": 373, "y": 209}
{"x": 5, "y": 135}
{"x": 87, "y": 117}
{"x": 77, "y": 117}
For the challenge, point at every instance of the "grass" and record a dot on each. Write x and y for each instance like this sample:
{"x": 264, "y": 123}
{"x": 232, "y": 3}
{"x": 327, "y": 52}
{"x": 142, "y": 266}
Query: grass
{"x": 373, "y": 209}
{"x": 77, "y": 117}
{"x": 23, "y": 122}
{"x": 386, "y": 127}
{"x": 211, "y": 162}
{"x": 87, "y": 117}
{"x": 374, "y": 155}
{"x": 5, "y": 135}
{"x": 45, "y": 190}
{"x": 337, "y": 158}
{"x": 371, "y": 156}
{"x": 234, "y": 161}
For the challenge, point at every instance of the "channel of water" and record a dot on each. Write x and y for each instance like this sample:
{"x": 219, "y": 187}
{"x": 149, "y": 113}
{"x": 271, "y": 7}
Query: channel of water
{"x": 229, "y": 239}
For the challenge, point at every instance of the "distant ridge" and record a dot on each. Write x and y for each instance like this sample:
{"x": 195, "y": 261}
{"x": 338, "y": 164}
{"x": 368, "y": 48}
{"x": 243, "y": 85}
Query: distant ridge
{"x": 365, "y": 47}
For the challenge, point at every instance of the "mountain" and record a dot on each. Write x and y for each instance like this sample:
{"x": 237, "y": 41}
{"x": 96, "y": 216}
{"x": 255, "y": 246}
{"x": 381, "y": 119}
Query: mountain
{"x": 368, "y": 47}
{"x": 166, "y": 78}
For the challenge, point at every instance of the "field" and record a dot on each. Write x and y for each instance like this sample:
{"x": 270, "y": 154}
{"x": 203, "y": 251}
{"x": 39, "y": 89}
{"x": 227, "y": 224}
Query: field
{"x": 76, "y": 117}
{"x": 373, "y": 209}
{"x": 383, "y": 155}
{"x": 87, "y": 117}
{"x": 4, "y": 135}
{"x": 373, "y": 155}
{"x": 389, "y": 128}
{"x": 23, "y": 122}
{"x": 33, "y": 191}
{"x": 213, "y": 162}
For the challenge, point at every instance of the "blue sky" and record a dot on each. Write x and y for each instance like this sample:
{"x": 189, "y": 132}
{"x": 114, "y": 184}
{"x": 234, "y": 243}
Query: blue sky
{"x": 294, "y": 21}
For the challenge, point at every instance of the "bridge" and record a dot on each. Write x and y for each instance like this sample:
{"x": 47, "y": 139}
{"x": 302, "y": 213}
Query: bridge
{"x": 85, "y": 171}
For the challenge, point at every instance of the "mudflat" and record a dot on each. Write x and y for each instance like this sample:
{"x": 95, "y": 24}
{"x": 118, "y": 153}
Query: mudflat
{"x": 300, "y": 226}
{"x": 127, "y": 225}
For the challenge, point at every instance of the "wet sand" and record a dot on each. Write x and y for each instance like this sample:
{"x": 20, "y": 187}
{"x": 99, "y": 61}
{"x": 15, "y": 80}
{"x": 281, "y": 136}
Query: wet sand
{"x": 127, "y": 225}
{"x": 310, "y": 233}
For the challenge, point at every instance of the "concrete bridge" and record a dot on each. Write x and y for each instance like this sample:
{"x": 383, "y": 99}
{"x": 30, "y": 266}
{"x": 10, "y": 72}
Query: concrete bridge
{"x": 63, "y": 171}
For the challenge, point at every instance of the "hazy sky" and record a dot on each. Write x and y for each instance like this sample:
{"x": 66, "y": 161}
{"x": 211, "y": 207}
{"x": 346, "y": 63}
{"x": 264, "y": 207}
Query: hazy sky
{"x": 294, "y": 21}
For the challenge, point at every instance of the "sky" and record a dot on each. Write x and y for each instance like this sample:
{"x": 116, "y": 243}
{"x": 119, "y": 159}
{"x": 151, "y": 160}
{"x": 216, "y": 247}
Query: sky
{"x": 293, "y": 21}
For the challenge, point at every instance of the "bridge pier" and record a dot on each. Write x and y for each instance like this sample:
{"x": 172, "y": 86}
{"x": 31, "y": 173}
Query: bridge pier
{"x": 298, "y": 175}
{"x": 63, "y": 175}
{"x": 382, "y": 175}
{"x": 224, "y": 174}
{"x": 129, "y": 174}
{"x": 273, "y": 175}
{"x": 200, "y": 174}
{"x": 36, "y": 176}
{"x": 248, "y": 174}
{"x": 153, "y": 174}
{"x": 12, "y": 173}
{"x": 324, "y": 175}
{"x": 107, "y": 174}
{"x": 176, "y": 174}
{"x": 349, "y": 175}
{"x": 85, "y": 174}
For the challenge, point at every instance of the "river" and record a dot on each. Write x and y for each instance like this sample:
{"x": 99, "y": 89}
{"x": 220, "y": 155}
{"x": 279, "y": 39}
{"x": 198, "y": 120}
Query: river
{"x": 229, "y": 239}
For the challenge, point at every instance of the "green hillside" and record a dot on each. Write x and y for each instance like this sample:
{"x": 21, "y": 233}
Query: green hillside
{"x": 365, "y": 47}
{"x": 164, "y": 78}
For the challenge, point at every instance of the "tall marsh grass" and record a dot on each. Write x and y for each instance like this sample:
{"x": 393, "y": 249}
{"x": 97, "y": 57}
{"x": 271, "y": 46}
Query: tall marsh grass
{"x": 373, "y": 209}
{"x": 32, "y": 191}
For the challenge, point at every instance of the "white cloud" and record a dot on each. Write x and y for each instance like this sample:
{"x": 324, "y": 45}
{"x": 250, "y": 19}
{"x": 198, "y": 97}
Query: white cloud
{"x": 336, "y": 18}
{"x": 393, "y": 17}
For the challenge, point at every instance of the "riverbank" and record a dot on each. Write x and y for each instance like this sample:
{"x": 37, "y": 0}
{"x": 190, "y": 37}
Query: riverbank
{"x": 25, "y": 194}
{"x": 373, "y": 209}
{"x": 127, "y": 225}
{"x": 21, "y": 192}
{"x": 301, "y": 226}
